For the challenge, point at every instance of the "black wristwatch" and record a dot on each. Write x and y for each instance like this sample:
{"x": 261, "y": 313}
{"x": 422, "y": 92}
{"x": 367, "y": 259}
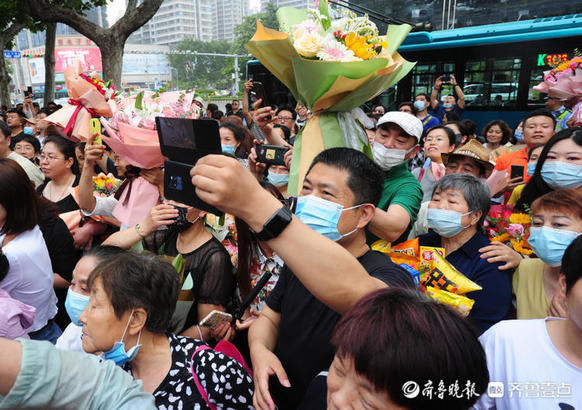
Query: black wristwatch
{"x": 275, "y": 225}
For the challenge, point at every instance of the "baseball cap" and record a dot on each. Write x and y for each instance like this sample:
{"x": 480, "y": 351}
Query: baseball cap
{"x": 408, "y": 122}
{"x": 200, "y": 100}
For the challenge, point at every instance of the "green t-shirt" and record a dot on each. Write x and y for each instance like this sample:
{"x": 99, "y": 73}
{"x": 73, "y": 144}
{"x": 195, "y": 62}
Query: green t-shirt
{"x": 402, "y": 188}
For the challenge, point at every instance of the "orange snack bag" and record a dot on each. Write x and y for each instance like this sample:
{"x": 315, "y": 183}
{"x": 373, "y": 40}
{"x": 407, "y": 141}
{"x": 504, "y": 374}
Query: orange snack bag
{"x": 444, "y": 276}
{"x": 461, "y": 304}
{"x": 399, "y": 258}
{"x": 410, "y": 248}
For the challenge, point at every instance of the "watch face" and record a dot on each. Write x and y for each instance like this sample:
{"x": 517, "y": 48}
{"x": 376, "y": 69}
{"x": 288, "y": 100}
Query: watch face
{"x": 276, "y": 224}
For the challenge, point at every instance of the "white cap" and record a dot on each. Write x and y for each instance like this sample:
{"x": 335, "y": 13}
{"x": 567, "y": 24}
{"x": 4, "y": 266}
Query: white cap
{"x": 408, "y": 122}
{"x": 200, "y": 100}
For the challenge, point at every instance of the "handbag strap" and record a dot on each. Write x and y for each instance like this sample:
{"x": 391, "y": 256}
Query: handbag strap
{"x": 199, "y": 386}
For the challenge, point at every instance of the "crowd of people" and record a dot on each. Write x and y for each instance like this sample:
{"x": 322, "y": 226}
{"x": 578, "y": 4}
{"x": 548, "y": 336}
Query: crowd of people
{"x": 336, "y": 324}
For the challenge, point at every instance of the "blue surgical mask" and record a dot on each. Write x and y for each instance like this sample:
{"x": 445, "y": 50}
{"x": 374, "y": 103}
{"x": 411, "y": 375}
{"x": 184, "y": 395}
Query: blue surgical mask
{"x": 518, "y": 134}
{"x": 447, "y": 105}
{"x": 419, "y": 105}
{"x": 531, "y": 167}
{"x": 321, "y": 215}
{"x": 558, "y": 174}
{"x": 445, "y": 222}
{"x": 278, "y": 179}
{"x": 228, "y": 149}
{"x": 75, "y": 304}
{"x": 28, "y": 130}
{"x": 118, "y": 353}
{"x": 549, "y": 244}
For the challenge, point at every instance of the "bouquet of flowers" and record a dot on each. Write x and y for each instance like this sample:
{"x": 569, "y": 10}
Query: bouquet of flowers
{"x": 105, "y": 185}
{"x": 512, "y": 229}
{"x": 223, "y": 228}
{"x": 332, "y": 66}
{"x": 88, "y": 98}
{"x": 132, "y": 135}
{"x": 565, "y": 81}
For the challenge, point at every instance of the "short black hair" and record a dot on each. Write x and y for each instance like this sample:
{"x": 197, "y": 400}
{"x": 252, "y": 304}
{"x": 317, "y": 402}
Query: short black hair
{"x": 467, "y": 127}
{"x": 17, "y": 111}
{"x": 366, "y": 179}
{"x": 571, "y": 263}
{"x": 425, "y": 95}
{"x": 286, "y": 131}
{"x": 212, "y": 107}
{"x": 397, "y": 337}
{"x": 217, "y": 115}
{"x": 451, "y": 116}
{"x": 6, "y": 131}
{"x": 27, "y": 138}
{"x": 541, "y": 112}
{"x": 144, "y": 281}
{"x": 287, "y": 108}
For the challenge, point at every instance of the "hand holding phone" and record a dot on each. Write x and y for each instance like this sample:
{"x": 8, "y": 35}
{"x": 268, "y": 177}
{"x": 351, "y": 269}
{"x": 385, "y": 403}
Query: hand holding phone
{"x": 271, "y": 154}
{"x": 95, "y": 128}
{"x": 516, "y": 172}
{"x": 215, "y": 319}
{"x": 446, "y": 79}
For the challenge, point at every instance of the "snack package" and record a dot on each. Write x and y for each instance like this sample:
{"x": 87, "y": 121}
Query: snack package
{"x": 381, "y": 246}
{"x": 413, "y": 272}
{"x": 444, "y": 276}
{"x": 427, "y": 256}
{"x": 410, "y": 248}
{"x": 400, "y": 258}
{"x": 461, "y": 304}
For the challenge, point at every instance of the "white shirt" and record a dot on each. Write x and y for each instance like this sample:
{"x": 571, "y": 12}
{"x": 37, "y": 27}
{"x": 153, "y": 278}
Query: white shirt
{"x": 30, "y": 277}
{"x": 34, "y": 173}
{"x": 534, "y": 374}
{"x": 71, "y": 340}
{"x": 104, "y": 206}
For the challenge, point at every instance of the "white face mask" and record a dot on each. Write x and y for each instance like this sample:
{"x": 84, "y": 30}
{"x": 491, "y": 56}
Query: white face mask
{"x": 389, "y": 158}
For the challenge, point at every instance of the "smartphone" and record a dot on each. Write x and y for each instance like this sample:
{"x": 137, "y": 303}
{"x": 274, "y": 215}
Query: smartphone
{"x": 516, "y": 171}
{"x": 259, "y": 92}
{"x": 215, "y": 319}
{"x": 446, "y": 79}
{"x": 95, "y": 127}
{"x": 184, "y": 141}
{"x": 29, "y": 91}
{"x": 271, "y": 154}
{"x": 182, "y": 218}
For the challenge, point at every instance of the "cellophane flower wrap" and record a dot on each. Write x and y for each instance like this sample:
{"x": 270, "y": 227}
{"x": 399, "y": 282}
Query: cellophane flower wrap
{"x": 504, "y": 225}
{"x": 89, "y": 97}
{"x": 565, "y": 82}
{"x": 133, "y": 136}
{"x": 331, "y": 66}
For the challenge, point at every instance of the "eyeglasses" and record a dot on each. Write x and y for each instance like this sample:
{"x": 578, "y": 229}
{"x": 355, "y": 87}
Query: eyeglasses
{"x": 285, "y": 118}
{"x": 50, "y": 157}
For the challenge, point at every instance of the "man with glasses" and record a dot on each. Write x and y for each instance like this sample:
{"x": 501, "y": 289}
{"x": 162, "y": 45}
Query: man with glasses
{"x": 236, "y": 109}
{"x": 286, "y": 116}
{"x": 560, "y": 113}
{"x": 34, "y": 173}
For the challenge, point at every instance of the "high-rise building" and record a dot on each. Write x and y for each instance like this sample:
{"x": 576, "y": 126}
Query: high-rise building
{"x": 300, "y": 4}
{"x": 200, "y": 19}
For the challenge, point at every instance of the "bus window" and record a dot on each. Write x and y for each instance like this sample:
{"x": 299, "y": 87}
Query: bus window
{"x": 423, "y": 78}
{"x": 491, "y": 83}
{"x": 535, "y": 99}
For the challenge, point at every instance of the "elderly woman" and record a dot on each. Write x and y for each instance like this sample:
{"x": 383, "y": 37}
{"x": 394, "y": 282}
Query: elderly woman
{"x": 456, "y": 213}
{"x": 385, "y": 350}
{"x": 132, "y": 301}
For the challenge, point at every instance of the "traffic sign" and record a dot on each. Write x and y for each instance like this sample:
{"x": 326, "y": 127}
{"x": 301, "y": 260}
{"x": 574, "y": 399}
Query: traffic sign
{"x": 12, "y": 54}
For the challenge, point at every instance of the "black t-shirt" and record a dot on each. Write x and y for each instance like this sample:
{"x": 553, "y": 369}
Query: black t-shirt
{"x": 303, "y": 343}
{"x": 68, "y": 203}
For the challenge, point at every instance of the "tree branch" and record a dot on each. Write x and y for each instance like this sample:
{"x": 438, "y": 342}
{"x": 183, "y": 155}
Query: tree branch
{"x": 50, "y": 13}
{"x": 135, "y": 17}
{"x": 11, "y": 31}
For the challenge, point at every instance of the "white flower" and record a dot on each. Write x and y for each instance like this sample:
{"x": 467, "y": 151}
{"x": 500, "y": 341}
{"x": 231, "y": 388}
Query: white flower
{"x": 308, "y": 45}
{"x": 305, "y": 27}
{"x": 333, "y": 50}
